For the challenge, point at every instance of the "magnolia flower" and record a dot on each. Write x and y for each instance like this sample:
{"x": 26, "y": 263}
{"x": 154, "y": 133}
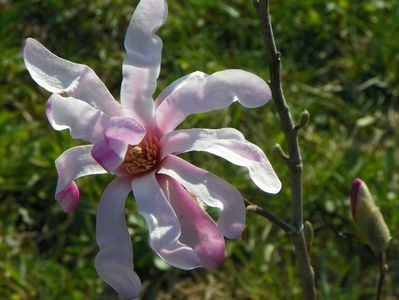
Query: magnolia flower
{"x": 137, "y": 141}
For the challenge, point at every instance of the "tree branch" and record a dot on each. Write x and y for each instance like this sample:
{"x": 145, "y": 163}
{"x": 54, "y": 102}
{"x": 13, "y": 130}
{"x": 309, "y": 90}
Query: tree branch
{"x": 294, "y": 155}
{"x": 269, "y": 216}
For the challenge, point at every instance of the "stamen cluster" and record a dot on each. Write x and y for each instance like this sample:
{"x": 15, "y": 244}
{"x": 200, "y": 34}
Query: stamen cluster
{"x": 142, "y": 157}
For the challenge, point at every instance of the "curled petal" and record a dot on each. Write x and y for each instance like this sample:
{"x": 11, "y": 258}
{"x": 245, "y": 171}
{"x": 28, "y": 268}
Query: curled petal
{"x": 198, "y": 229}
{"x": 123, "y": 131}
{"x": 119, "y": 133}
{"x": 58, "y": 75}
{"x": 103, "y": 153}
{"x": 84, "y": 121}
{"x": 203, "y": 94}
{"x": 210, "y": 189}
{"x": 114, "y": 261}
{"x": 142, "y": 62}
{"x": 74, "y": 163}
{"x": 229, "y": 144}
{"x": 68, "y": 197}
{"x": 163, "y": 224}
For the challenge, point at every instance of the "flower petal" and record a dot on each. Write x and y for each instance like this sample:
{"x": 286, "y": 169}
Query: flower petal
{"x": 125, "y": 130}
{"x": 73, "y": 163}
{"x": 142, "y": 62}
{"x": 229, "y": 144}
{"x": 58, "y": 75}
{"x": 104, "y": 155}
{"x": 114, "y": 261}
{"x": 68, "y": 197}
{"x": 204, "y": 94}
{"x": 163, "y": 224}
{"x": 177, "y": 84}
{"x": 212, "y": 190}
{"x": 198, "y": 229}
{"x": 119, "y": 133}
{"x": 83, "y": 121}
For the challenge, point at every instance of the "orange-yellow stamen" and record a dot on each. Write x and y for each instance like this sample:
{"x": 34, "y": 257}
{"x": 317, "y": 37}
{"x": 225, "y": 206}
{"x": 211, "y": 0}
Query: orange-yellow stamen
{"x": 142, "y": 157}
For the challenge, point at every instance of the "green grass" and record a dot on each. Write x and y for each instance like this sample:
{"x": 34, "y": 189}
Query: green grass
{"x": 340, "y": 61}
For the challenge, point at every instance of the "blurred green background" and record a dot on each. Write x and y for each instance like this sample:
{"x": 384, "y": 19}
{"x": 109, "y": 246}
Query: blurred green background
{"x": 340, "y": 61}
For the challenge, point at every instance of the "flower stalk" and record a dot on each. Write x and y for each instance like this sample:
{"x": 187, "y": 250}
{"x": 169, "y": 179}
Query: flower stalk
{"x": 383, "y": 267}
{"x": 294, "y": 160}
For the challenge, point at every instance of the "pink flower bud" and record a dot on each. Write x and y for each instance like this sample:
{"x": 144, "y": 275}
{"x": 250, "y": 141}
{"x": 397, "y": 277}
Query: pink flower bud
{"x": 368, "y": 218}
{"x": 354, "y": 195}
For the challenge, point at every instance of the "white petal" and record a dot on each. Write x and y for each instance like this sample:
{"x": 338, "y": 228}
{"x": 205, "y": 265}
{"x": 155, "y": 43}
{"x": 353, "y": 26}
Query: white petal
{"x": 203, "y": 94}
{"x": 163, "y": 224}
{"x": 58, "y": 75}
{"x": 83, "y": 121}
{"x": 114, "y": 261}
{"x": 74, "y": 163}
{"x": 177, "y": 84}
{"x": 212, "y": 190}
{"x": 142, "y": 62}
{"x": 229, "y": 144}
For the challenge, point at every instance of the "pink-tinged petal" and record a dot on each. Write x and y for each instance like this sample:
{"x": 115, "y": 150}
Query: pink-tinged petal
{"x": 104, "y": 155}
{"x": 84, "y": 121}
{"x": 124, "y": 130}
{"x": 198, "y": 229}
{"x": 58, "y": 75}
{"x": 204, "y": 94}
{"x": 177, "y": 84}
{"x": 163, "y": 224}
{"x": 118, "y": 134}
{"x": 69, "y": 197}
{"x": 74, "y": 163}
{"x": 142, "y": 62}
{"x": 229, "y": 144}
{"x": 114, "y": 261}
{"x": 212, "y": 190}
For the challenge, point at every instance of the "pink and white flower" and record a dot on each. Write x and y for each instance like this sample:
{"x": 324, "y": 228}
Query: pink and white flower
{"x": 136, "y": 140}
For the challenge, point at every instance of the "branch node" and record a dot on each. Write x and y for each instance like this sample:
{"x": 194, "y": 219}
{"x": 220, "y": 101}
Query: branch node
{"x": 303, "y": 121}
{"x": 309, "y": 233}
{"x": 256, "y": 4}
{"x": 281, "y": 152}
{"x": 385, "y": 268}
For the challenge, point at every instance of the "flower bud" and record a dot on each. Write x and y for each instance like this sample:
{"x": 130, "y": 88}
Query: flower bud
{"x": 368, "y": 218}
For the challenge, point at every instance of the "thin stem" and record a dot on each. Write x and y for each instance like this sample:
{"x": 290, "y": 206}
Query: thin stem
{"x": 287, "y": 122}
{"x": 383, "y": 269}
{"x": 294, "y": 155}
{"x": 269, "y": 216}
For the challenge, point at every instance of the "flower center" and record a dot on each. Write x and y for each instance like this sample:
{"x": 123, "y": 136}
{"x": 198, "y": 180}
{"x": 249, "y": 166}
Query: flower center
{"x": 142, "y": 157}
